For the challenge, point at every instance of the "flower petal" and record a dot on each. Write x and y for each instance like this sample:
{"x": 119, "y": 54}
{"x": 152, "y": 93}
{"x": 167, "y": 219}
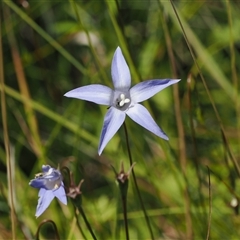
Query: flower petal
{"x": 140, "y": 115}
{"x": 96, "y": 93}
{"x": 60, "y": 194}
{"x": 144, "y": 90}
{"x": 38, "y": 183}
{"x": 120, "y": 72}
{"x": 45, "y": 198}
{"x": 45, "y": 168}
{"x": 112, "y": 122}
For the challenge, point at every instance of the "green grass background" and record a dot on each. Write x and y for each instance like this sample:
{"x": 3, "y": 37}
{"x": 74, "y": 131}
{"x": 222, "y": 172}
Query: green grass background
{"x": 187, "y": 184}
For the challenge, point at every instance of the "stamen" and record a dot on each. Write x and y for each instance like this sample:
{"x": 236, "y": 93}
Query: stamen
{"x": 123, "y": 100}
{"x": 38, "y": 175}
{"x": 121, "y": 103}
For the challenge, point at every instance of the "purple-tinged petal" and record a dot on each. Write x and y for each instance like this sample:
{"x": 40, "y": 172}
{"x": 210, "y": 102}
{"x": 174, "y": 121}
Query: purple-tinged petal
{"x": 53, "y": 174}
{"x": 112, "y": 122}
{"x": 38, "y": 183}
{"x": 60, "y": 194}
{"x": 144, "y": 90}
{"x": 140, "y": 115}
{"x": 42, "y": 192}
{"x": 45, "y": 168}
{"x": 96, "y": 93}
{"x": 45, "y": 198}
{"x": 120, "y": 72}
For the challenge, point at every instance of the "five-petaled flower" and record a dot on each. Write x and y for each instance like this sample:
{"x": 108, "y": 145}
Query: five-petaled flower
{"x": 123, "y": 99}
{"x": 50, "y": 184}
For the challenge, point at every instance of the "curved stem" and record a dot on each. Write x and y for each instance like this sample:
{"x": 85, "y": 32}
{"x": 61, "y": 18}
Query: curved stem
{"x": 54, "y": 227}
{"x": 136, "y": 185}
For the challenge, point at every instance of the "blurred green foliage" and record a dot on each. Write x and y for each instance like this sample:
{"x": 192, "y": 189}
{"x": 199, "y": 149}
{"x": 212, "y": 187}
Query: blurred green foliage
{"x": 51, "y": 47}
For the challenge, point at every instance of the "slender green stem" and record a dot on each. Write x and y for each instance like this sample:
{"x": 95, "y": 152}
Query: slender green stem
{"x": 86, "y": 222}
{"x": 136, "y": 185}
{"x": 124, "y": 203}
{"x": 78, "y": 225}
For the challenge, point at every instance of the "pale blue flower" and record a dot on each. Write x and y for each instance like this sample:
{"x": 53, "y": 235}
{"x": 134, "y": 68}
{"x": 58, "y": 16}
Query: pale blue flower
{"x": 123, "y": 99}
{"x": 50, "y": 184}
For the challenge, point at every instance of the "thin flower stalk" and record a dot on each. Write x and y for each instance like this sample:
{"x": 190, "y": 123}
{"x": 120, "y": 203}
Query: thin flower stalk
{"x": 136, "y": 185}
{"x": 75, "y": 194}
{"x": 123, "y": 180}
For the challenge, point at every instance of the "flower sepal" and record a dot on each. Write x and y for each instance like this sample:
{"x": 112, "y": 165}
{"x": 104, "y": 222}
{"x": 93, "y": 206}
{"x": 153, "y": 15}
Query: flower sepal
{"x": 73, "y": 191}
{"x": 122, "y": 179}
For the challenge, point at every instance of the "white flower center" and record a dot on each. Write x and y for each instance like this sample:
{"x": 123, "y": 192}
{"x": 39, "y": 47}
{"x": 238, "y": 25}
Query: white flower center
{"x": 123, "y": 100}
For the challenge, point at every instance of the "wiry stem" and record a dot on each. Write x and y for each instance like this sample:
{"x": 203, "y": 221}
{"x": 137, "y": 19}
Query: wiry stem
{"x": 136, "y": 185}
{"x": 233, "y": 67}
{"x": 236, "y": 165}
{"x": 181, "y": 141}
{"x": 78, "y": 224}
{"x": 124, "y": 203}
{"x": 122, "y": 179}
{"x": 86, "y": 222}
{"x": 6, "y": 141}
{"x": 54, "y": 227}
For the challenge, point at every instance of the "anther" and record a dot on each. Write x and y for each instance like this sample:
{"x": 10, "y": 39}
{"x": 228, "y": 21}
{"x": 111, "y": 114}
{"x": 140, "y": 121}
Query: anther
{"x": 123, "y": 100}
